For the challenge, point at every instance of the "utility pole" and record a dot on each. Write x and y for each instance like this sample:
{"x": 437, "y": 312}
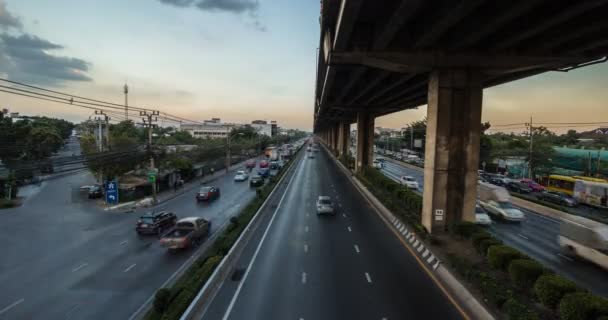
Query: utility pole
{"x": 101, "y": 116}
{"x": 412, "y": 138}
{"x": 531, "y": 133}
{"x": 149, "y": 117}
{"x": 126, "y": 90}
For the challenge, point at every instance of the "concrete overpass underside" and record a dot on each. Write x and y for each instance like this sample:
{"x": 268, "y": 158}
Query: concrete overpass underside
{"x": 380, "y": 57}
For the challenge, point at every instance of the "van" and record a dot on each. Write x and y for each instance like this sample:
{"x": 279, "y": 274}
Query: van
{"x": 584, "y": 238}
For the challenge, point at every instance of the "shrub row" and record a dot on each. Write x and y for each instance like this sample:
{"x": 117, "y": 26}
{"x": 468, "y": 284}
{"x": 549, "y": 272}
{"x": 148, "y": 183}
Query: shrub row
{"x": 555, "y": 292}
{"x": 170, "y": 303}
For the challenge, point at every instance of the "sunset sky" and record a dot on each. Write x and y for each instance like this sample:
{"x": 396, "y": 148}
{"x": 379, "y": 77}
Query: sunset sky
{"x": 235, "y": 59}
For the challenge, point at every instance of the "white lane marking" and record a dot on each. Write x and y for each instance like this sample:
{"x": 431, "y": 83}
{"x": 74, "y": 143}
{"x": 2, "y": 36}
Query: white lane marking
{"x": 425, "y": 253}
{"x": 357, "y": 248}
{"x": 431, "y": 258}
{"x": 402, "y": 229}
{"x": 123, "y": 243}
{"x": 130, "y": 267}
{"x": 257, "y": 250}
{"x": 306, "y": 229}
{"x": 305, "y": 248}
{"x": 369, "y": 279}
{"x": 303, "y": 277}
{"x": 565, "y": 257}
{"x": 80, "y": 267}
{"x": 521, "y": 235}
{"x": 344, "y": 215}
{"x": 12, "y": 305}
{"x": 72, "y": 309}
{"x": 349, "y": 229}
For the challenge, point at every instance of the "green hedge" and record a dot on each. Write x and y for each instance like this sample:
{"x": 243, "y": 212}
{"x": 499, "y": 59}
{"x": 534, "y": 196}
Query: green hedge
{"x": 484, "y": 244}
{"x": 479, "y": 236}
{"x": 550, "y": 288}
{"x": 465, "y": 229}
{"x": 524, "y": 272}
{"x": 499, "y": 256}
{"x": 517, "y": 310}
{"x": 582, "y": 306}
{"x": 494, "y": 291}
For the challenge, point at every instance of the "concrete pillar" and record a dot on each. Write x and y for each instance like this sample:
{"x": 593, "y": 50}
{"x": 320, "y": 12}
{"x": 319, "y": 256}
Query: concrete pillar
{"x": 365, "y": 139}
{"x": 452, "y": 148}
{"x": 336, "y": 137}
{"x": 343, "y": 138}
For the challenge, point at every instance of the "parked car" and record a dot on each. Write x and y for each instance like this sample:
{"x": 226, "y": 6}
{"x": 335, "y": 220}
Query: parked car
{"x": 558, "y": 198}
{"x": 518, "y": 187}
{"x": 264, "y": 172}
{"x": 409, "y": 181}
{"x": 95, "y": 192}
{"x": 535, "y": 186}
{"x": 241, "y": 176}
{"x": 250, "y": 164}
{"x": 256, "y": 181}
{"x": 481, "y": 216}
{"x": 155, "y": 222}
{"x": 377, "y": 164}
{"x": 325, "y": 206}
{"x": 187, "y": 233}
{"x": 263, "y": 164}
{"x": 208, "y": 193}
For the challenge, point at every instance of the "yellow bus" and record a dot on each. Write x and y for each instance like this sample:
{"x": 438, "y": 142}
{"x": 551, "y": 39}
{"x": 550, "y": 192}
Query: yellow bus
{"x": 590, "y": 179}
{"x": 559, "y": 183}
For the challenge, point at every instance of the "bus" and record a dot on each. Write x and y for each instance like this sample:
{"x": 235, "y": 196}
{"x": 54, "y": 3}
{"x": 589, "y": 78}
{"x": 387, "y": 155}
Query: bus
{"x": 591, "y": 193}
{"x": 584, "y": 238}
{"x": 559, "y": 183}
{"x": 590, "y": 179}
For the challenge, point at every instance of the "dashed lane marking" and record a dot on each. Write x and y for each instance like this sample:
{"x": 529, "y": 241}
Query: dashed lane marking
{"x": 357, "y": 248}
{"x": 305, "y": 248}
{"x": 521, "y": 235}
{"x": 367, "y": 276}
{"x": 306, "y": 229}
{"x": 130, "y": 267}
{"x": 349, "y": 229}
{"x": 565, "y": 257}
{"x": 123, "y": 243}
{"x": 80, "y": 267}
{"x": 303, "y": 277}
{"x": 12, "y": 305}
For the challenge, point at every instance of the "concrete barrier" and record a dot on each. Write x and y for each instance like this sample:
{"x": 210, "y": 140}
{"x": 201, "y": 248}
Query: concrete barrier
{"x": 441, "y": 275}
{"x": 200, "y": 303}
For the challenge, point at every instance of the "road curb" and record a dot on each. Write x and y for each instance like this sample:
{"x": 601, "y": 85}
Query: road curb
{"x": 205, "y": 296}
{"x": 424, "y": 255}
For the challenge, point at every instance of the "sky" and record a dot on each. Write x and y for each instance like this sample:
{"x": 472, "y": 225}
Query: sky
{"x": 239, "y": 60}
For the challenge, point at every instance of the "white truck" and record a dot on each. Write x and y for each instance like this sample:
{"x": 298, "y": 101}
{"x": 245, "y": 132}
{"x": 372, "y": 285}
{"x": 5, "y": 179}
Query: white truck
{"x": 497, "y": 202}
{"x": 584, "y": 238}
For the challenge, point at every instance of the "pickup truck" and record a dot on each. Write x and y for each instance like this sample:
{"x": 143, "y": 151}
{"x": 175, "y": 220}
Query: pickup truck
{"x": 187, "y": 233}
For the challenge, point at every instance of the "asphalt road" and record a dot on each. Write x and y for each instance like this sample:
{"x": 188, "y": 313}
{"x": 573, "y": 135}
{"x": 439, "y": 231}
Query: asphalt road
{"x": 71, "y": 260}
{"x": 536, "y": 237}
{"x": 349, "y": 266}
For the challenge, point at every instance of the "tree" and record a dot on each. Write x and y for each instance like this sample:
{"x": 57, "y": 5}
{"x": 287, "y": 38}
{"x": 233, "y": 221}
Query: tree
{"x": 42, "y": 141}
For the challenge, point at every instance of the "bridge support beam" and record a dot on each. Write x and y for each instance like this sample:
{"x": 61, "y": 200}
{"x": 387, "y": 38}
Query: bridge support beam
{"x": 343, "y": 138}
{"x": 452, "y": 148}
{"x": 365, "y": 139}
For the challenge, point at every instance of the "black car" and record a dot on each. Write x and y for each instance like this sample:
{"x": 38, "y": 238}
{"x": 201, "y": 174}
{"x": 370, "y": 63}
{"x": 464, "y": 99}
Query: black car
{"x": 256, "y": 181}
{"x": 518, "y": 187}
{"x": 155, "y": 222}
{"x": 95, "y": 192}
{"x": 558, "y": 198}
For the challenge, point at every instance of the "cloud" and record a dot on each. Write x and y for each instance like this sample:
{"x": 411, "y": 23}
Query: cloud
{"x": 249, "y": 7}
{"x": 26, "y": 58}
{"x": 236, "y": 6}
{"x": 7, "y": 20}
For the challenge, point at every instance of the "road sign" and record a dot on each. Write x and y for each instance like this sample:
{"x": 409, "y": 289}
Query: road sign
{"x": 111, "y": 192}
{"x": 152, "y": 177}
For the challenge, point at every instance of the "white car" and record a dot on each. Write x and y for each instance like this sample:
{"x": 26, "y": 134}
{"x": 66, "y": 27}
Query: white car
{"x": 241, "y": 176}
{"x": 325, "y": 206}
{"x": 504, "y": 210}
{"x": 409, "y": 181}
{"x": 481, "y": 216}
{"x": 377, "y": 164}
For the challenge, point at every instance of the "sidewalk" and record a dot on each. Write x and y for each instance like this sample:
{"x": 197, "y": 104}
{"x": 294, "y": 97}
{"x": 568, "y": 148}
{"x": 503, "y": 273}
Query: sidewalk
{"x": 170, "y": 194}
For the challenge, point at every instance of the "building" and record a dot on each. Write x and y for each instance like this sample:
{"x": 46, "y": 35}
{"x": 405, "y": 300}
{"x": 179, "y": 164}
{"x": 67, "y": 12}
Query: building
{"x": 387, "y": 132}
{"x": 601, "y": 130}
{"x": 265, "y": 127}
{"x": 213, "y": 128}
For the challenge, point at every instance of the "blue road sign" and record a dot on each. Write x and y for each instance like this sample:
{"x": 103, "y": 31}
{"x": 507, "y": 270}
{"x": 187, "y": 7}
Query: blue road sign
{"x": 112, "y": 192}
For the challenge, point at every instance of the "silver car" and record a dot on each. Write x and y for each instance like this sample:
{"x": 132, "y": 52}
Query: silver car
{"x": 325, "y": 206}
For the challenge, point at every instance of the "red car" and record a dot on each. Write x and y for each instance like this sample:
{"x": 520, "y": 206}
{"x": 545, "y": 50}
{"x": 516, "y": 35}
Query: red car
{"x": 263, "y": 164}
{"x": 250, "y": 164}
{"x": 208, "y": 194}
{"x": 533, "y": 185}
